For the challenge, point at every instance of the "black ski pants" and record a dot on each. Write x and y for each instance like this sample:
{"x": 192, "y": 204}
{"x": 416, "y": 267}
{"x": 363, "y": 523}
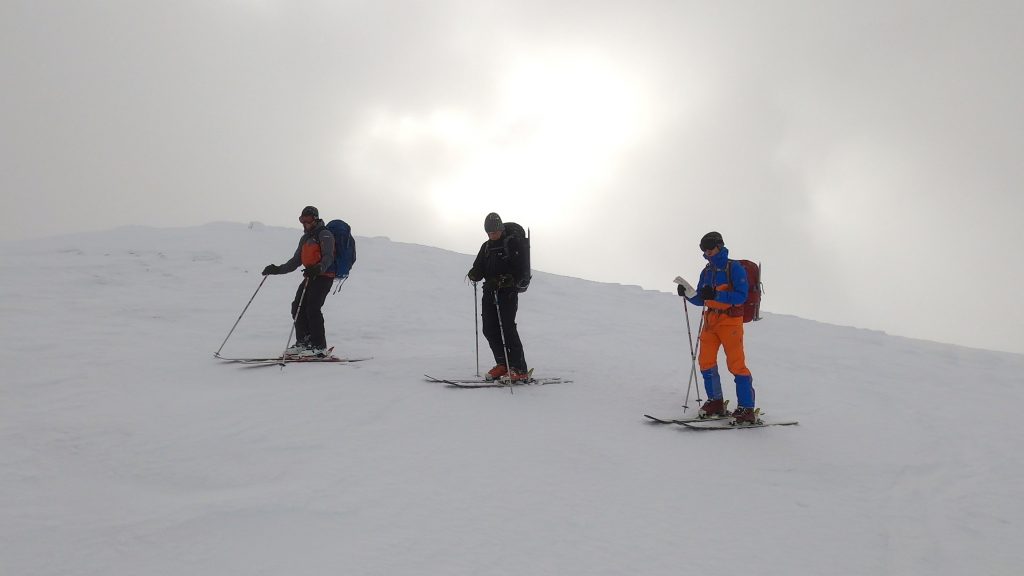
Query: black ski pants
{"x": 508, "y": 303}
{"x": 309, "y": 321}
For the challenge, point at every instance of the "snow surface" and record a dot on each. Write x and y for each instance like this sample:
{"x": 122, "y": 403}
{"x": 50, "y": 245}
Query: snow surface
{"x": 126, "y": 448}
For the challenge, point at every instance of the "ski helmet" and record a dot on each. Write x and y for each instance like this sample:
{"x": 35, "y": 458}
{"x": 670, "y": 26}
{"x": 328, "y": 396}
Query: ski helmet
{"x": 493, "y": 223}
{"x": 711, "y": 240}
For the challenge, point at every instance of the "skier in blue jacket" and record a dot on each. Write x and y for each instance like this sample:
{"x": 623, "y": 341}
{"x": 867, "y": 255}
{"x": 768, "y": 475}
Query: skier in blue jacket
{"x": 722, "y": 290}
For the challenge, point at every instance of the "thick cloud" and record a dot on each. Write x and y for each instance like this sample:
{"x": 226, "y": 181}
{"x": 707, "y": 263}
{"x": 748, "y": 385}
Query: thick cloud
{"x": 866, "y": 152}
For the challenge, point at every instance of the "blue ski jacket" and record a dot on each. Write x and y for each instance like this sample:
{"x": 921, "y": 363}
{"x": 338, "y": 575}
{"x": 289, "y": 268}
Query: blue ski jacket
{"x": 715, "y": 274}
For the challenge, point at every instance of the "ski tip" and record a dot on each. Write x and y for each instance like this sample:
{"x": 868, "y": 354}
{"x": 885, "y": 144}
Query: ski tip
{"x": 656, "y": 420}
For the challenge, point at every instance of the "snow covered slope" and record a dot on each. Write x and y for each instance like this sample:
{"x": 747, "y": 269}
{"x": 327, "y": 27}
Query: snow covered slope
{"x": 126, "y": 449}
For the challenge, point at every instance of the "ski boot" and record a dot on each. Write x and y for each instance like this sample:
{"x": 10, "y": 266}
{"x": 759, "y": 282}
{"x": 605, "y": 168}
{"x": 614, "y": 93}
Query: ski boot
{"x": 313, "y": 352}
{"x": 496, "y": 373}
{"x": 717, "y": 408}
{"x": 519, "y": 376}
{"x": 296, "y": 349}
{"x": 744, "y": 416}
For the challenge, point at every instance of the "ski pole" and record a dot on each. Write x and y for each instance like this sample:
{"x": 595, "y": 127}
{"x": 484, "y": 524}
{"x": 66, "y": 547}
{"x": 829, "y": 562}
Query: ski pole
{"x": 295, "y": 318}
{"x": 476, "y": 328}
{"x": 693, "y": 354}
{"x": 217, "y": 353}
{"x": 504, "y": 346}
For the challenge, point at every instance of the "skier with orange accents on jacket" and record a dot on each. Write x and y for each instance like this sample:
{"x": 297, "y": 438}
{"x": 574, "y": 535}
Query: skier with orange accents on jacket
{"x": 316, "y": 254}
{"x": 722, "y": 290}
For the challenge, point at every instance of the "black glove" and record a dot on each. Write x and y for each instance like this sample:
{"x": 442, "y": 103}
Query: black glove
{"x": 312, "y": 271}
{"x": 272, "y": 269}
{"x": 475, "y": 275}
{"x": 706, "y": 293}
{"x": 680, "y": 289}
{"x": 506, "y": 281}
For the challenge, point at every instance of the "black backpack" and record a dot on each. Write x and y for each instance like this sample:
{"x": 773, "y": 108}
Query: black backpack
{"x": 523, "y": 275}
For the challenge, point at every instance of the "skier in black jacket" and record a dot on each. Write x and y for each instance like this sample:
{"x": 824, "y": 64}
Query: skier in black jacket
{"x": 501, "y": 266}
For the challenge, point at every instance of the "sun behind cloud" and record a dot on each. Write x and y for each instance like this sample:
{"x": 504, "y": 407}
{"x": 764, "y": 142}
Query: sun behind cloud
{"x": 553, "y": 131}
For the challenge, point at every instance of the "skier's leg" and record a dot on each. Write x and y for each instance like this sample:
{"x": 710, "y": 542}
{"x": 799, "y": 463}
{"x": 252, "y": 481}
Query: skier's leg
{"x": 735, "y": 357}
{"x": 489, "y": 315}
{"x": 509, "y": 303}
{"x": 316, "y": 295}
{"x": 301, "y": 324}
{"x": 708, "y": 357}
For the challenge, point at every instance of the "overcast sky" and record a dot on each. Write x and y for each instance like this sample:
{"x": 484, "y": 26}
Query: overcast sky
{"x": 868, "y": 152}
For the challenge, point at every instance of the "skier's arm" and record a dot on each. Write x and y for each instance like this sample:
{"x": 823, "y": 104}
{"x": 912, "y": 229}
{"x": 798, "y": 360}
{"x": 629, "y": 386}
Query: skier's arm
{"x": 295, "y": 260}
{"x": 476, "y": 272}
{"x": 326, "y": 249}
{"x": 702, "y": 281}
{"x": 740, "y": 287}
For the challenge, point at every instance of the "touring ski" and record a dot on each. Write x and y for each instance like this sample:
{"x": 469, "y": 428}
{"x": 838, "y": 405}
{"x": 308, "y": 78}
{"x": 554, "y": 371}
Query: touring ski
{"x": 290, "y": 359}
{"x": 725, "y": 407}
{"x": 686, "y": 420}
{"x": 279, "y": 361}
{"x": 730, "y": 426}
{"x": 482, "y": 383}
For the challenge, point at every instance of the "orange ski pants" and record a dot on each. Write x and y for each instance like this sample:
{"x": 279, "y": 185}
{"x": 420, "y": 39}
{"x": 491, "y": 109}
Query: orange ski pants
{"x": 722, "y": 330}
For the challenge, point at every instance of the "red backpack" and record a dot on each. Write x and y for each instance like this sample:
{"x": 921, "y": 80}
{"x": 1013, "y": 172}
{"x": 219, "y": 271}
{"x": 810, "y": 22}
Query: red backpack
{"x": 752, "y": 305}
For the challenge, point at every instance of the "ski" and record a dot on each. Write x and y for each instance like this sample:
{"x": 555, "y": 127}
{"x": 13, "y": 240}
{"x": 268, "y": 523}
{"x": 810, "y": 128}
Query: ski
{"x": 532, "y": 382}
{"x": 730, "y": 426}
{"x": 312, "y": 360}
{"x": 728, "y": 413}
{"x": 473, "y": 380}
{"x": 330, "y": 352}
{"x": 455, "y": 380}
{"x": 686, "y": 420}
{"x": 287, "y": 358}
{"x": 482, "y": 383}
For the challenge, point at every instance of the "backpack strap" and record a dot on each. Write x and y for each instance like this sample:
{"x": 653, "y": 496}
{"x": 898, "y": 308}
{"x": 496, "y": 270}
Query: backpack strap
{"x": 728, "y": 272}
{"x": 728, "y": 278}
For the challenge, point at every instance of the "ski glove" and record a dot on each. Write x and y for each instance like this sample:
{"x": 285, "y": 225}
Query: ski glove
{"x": 680, "y": 290}
{"x": 705, "y": 292}
{"x": 475, "y": 275}
{"x": 312, "y": 271}
{"x": 271, "y": 269}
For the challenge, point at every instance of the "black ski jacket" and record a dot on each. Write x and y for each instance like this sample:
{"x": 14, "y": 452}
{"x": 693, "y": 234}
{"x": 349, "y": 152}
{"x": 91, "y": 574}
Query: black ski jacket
{"x": 497, "y": 259}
